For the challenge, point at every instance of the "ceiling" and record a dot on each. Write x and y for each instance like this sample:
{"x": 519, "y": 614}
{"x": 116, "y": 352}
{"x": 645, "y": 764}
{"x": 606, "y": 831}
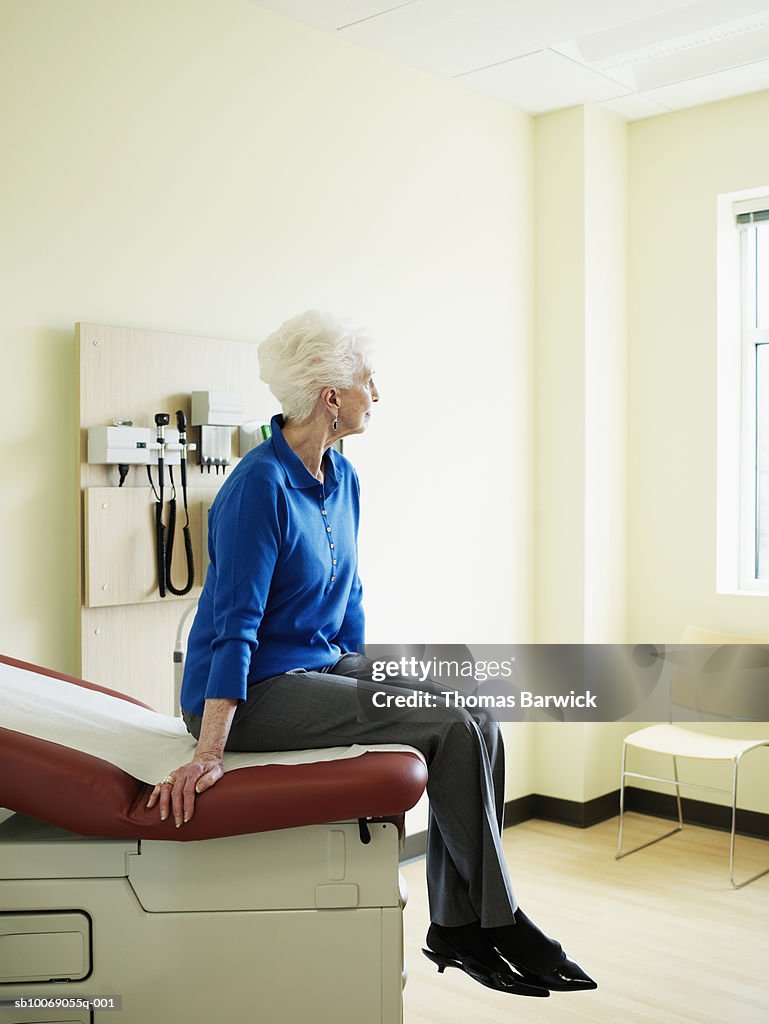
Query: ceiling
{"x": 636, "y": 57}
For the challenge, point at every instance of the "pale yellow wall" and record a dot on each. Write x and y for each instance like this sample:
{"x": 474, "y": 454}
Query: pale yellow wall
{"x": 606, "y": 422}
{"x": 560, "y": 376}
{"x": 581, "y": 376}
{"x": 212, "y": 168}
{"x": 560, "y": 342}
{"x": 679, "y": 164}
{"x": 581, "y": 419}
{"x": 208, "y": 167}
{"x": 606, "y": 245}
{"x": 636, "y": 383}
{"x": 577, "y": 761}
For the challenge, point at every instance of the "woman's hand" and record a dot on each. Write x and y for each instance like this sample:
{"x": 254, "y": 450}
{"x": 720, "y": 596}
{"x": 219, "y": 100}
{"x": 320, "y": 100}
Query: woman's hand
{"x": 177, "y": 792}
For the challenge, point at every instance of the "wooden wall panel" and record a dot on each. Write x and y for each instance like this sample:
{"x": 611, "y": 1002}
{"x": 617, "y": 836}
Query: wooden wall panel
{"x": 119, "y": 545}
{"x": 127, "y": 634}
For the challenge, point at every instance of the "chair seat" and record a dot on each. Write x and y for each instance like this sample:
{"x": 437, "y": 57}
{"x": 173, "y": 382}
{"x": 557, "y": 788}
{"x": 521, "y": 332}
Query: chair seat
{"x": 682, "y": 742}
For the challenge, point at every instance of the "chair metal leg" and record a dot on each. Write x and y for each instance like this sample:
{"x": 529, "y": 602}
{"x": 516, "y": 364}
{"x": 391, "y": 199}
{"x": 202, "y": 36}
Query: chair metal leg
{"x": 650, "y": 842}
{"x": 619, "y": 854}
{"x": 678, "y": 794}
{"x": 738, "y": 885}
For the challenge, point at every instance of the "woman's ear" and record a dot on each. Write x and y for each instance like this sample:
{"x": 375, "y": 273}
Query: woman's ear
{"x": 330, "y": 397}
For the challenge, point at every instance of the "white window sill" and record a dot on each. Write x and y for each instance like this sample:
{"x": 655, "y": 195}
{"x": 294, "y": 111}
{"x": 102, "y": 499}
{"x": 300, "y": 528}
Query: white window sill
{"x": 744, "y": 593}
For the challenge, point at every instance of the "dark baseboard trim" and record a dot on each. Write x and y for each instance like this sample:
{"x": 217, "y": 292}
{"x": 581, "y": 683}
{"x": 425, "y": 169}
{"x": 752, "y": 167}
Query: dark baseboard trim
{"x": 565, "y": 812}
{"x": 583, "y": 815}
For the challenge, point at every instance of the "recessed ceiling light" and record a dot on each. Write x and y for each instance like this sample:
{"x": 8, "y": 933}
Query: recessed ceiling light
{"x": 677, "y": 44}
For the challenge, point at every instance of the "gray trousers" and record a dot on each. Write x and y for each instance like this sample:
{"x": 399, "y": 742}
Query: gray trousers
{"x": 467, "y": 876}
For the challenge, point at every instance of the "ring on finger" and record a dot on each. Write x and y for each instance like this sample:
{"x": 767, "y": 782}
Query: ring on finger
{"x": 169, "y": 780}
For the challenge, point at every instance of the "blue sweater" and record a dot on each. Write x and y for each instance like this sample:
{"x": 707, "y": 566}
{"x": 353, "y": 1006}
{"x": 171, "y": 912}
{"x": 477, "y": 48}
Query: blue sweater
{"x": 282, "y": 589}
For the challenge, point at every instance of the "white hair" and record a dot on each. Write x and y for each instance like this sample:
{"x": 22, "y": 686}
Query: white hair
{"x": 309, "y": 352}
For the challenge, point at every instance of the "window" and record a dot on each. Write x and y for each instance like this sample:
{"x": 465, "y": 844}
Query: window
{"x": 743, "y": 393}
{"x": 754, "y": 496}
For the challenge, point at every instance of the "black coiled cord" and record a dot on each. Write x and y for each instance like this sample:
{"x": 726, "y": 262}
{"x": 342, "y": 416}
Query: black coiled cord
{"x": 169, "y": 552}
{"x": 164, "y": 540}
{"x": 160, "y": 535}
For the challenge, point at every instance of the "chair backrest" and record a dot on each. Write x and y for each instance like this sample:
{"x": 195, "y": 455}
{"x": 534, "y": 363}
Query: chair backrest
{"x": 721, "y": 676}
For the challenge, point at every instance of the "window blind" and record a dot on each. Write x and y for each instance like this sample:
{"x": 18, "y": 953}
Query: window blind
{"x": 753, "y": 217}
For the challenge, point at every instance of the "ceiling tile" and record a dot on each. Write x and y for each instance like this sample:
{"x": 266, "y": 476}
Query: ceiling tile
{"x": 634, "y": 107}
{"x": 637, "y": 57}
{"x": 330, "y": 14}
{"x": 544, "y": 81}
{"x": 438, "y": 36}
{"x": 554, "y": 21}
{"x": 624, "y": 75}
{"x": 709, "y": 88}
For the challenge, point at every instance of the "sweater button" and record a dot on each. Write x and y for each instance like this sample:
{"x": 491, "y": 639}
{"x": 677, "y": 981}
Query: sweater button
{"x": 333, "y": 578}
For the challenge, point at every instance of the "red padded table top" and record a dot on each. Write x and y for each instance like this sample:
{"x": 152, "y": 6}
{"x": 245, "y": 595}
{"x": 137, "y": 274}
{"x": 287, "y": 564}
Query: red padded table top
{"x": 92, "y": 797}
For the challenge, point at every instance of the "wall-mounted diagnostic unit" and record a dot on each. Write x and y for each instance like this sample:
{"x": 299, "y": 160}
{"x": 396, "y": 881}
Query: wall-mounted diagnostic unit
{"x": 133, "y": 446}
{"x": 215, "y": 412}
{"x": 152, "y": 404}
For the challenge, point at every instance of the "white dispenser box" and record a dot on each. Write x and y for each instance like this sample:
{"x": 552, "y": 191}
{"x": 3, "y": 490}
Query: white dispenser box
{"x": 216, "y": 409}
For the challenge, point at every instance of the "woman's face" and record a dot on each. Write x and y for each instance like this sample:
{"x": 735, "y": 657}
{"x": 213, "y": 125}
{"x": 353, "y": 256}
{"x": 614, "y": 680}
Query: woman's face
{"x": 355, "y": 403}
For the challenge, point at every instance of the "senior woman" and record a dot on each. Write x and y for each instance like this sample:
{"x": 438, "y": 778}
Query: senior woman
{"x": 274, "y": 658}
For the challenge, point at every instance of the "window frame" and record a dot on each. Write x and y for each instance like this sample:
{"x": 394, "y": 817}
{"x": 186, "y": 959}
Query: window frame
{"x": 737, "y": 399}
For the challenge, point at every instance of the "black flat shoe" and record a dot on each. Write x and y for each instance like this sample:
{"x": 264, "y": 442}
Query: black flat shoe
{"x": 539, "y": 959}
{"x": 483, "y": 964}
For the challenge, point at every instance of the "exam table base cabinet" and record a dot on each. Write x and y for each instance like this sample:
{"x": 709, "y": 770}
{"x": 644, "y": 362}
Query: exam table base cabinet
{"x": 294, "y": 926}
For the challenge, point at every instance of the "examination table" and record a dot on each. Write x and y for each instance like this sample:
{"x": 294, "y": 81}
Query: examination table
{"x": 279, "y": 903}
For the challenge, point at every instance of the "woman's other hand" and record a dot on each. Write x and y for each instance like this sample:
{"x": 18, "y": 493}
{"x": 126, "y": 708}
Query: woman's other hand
{"x": 177, "y": 792}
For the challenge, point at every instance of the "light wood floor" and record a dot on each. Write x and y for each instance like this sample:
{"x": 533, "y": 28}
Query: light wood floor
{"x": 662, "y": 931}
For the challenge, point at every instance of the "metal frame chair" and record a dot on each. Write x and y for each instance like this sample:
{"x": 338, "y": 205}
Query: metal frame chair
{"x": 681, "y": 742}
